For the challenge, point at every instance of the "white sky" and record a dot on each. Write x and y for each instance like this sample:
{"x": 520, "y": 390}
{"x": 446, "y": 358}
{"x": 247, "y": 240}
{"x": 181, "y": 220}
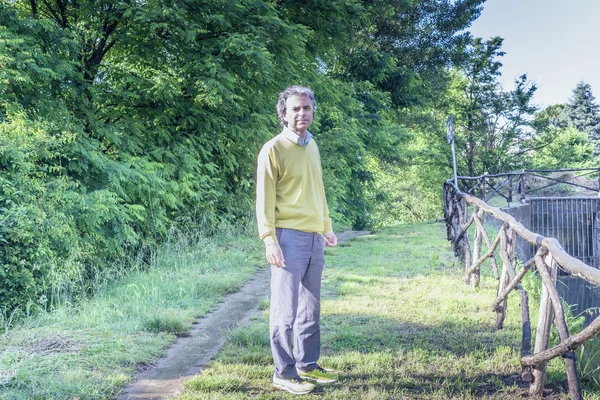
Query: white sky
{"x": 556, "y": 42}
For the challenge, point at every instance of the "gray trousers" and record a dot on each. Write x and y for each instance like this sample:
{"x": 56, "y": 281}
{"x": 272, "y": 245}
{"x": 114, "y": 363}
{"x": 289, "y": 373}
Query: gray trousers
{"x": 295, "y": 303}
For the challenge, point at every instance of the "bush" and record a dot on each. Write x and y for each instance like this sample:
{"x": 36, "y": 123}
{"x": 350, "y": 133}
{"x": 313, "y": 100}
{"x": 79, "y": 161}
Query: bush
{"x": 37, "y": 229}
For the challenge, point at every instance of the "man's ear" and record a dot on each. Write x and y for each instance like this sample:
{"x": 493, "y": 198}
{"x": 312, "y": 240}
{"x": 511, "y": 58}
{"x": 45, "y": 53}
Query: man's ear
{"x": 284, "y": 116}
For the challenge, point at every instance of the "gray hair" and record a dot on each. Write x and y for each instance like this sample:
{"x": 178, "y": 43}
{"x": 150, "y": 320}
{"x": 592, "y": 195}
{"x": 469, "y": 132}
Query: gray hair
{"x": 294, "y": 90}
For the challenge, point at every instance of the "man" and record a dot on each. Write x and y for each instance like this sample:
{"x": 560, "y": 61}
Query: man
{"x": 293, "y": 221}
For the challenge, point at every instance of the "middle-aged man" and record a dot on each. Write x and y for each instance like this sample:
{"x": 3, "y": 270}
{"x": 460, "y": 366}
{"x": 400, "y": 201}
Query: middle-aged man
{"x": 293, "y": 221}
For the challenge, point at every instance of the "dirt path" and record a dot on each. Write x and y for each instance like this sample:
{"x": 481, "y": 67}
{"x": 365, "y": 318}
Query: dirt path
{"x": 189, "y": 354}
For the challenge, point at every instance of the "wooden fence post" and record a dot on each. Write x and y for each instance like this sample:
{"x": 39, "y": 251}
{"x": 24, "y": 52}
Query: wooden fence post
{"x": 541, "y": 338}
{"x": 504, "y": 279}
{"x": 448, "y": 211}
{"x": 464, "y": 243}
{"x": 510, "y": 189}
{"x": 483, "y": 189}
{"x": 548, "y": 274}
{"x": 479, "y": 221}
{"x": 526, "y": 374}
{"x": 477, "y": 240}
{"x": 522, "y": 187}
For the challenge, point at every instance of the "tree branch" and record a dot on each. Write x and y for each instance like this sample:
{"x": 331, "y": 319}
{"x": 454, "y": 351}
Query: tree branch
{"x": 53, "y": 13}
{"x": 62, "y": 7}
{"x": 34, "y": 10}
{"x": 100, "y": 48}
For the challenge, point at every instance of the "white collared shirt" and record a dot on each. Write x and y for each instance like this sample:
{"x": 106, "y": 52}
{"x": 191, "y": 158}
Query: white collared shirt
{"x": 299, "y": 140}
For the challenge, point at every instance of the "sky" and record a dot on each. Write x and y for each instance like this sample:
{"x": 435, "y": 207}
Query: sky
{"x": 555, "y": 42}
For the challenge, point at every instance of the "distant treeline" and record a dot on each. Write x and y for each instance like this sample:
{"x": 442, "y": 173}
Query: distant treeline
{"x": 121, "y": 119}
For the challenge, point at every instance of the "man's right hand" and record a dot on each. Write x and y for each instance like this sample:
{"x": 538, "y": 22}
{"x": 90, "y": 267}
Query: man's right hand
{"x": 275, "y": 255}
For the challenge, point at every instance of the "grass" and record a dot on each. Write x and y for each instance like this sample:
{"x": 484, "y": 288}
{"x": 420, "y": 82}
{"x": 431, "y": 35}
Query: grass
{"x": 89, "y": 350}
{"x": 399, "y": 322}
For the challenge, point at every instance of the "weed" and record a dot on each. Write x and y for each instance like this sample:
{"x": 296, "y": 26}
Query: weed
{"x": 264, "y": 304}
{"x": 167, "y": 321}
{"x": 255, "y": 335}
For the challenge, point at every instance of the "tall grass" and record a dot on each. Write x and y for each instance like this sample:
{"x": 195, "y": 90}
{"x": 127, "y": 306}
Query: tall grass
{"x": 86, "y": 346}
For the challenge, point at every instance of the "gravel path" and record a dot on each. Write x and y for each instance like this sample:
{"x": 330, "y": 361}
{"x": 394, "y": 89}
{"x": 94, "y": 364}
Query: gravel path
{"x": 189, "y": 354}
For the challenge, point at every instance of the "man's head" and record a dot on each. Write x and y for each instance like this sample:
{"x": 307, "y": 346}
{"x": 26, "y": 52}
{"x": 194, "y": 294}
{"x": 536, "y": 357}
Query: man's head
{"x": 296, "y": 107}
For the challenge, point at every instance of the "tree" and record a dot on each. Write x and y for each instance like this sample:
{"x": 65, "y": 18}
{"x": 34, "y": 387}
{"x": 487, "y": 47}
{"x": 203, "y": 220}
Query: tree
{"x": 404, "y": 47}
{"x": 583, "y": 113}
{"x": 568, "y": 148}
{"x": 127, "y": 117}
{"x": 555, "y": 144}
{"x": 492, "y": 125}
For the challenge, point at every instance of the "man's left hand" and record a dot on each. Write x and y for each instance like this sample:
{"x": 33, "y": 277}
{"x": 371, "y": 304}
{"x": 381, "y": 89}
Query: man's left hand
{"x": 330, "y": 239}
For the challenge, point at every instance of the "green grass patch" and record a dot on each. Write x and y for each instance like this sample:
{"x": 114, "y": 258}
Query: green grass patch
{"x": 399, "y": 323}
{"x": 91, "y": 349}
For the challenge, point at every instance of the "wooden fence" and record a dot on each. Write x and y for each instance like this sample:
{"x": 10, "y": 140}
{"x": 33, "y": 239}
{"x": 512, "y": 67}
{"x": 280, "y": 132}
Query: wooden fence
{"x": 549, "y": 258}
{"x": 509, "y": 184}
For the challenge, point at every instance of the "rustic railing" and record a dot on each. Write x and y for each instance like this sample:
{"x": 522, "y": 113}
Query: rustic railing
{"x": 509, "y": 184}
{"x": 549, "y": 258}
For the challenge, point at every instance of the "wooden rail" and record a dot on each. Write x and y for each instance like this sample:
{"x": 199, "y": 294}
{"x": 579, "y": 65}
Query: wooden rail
{"x": 507, "y": 184}
{"x": 549, "y": 257}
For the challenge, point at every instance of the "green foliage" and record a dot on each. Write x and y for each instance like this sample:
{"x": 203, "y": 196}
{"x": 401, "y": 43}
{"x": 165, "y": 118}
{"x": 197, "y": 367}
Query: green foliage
{"x": 583, "y": 113}
{"x": 588, "y": 362}
{"x": 91, "y": 349}
{"x": 403, "y": 195}
{"x": 586, "y": 355}
{"x": 491, "y": 124}
{"x": 565, "y": 148}
{"x": 532, "y": 284}
{"x": 37, "y": 225}
{"x": 125, "y": 119}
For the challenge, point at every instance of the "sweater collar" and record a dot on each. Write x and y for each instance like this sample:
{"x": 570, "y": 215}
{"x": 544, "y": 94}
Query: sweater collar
{"x": 295, "y": 138}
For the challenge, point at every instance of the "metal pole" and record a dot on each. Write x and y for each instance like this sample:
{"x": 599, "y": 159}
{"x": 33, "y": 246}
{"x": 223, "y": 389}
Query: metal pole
{"x": 454, "y": 164}
{"x": 450, "y": 137}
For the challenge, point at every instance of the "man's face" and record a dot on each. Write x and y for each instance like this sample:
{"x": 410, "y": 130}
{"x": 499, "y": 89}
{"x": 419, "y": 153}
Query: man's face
{"x": 298, "y": 114}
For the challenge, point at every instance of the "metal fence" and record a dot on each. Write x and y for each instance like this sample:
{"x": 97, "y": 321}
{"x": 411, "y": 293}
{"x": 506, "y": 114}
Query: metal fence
{"x": 572, "y": 221}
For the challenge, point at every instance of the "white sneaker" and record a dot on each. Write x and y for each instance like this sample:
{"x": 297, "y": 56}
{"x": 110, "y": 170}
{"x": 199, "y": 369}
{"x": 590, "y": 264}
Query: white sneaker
{"x": 293, "y": 385}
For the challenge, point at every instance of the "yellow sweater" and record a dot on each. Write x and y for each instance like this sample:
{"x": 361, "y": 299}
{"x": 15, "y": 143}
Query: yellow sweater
{"x": 289, "y": 188}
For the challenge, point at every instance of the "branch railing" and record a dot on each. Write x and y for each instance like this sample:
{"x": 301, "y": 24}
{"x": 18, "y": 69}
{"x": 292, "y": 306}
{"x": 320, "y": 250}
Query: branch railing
{"x": 549, "y": 258}
{"x": 509, "y": 184}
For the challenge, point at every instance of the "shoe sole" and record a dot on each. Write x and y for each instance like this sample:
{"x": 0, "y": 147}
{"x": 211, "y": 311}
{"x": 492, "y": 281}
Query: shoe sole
{"x": 285, "y": 389}
{"x": 308, "y": 378}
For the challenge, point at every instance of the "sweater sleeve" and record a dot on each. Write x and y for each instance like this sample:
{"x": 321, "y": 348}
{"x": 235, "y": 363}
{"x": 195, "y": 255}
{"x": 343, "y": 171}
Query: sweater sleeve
{"x": 327, "y": 224}
{"x": 266, "y": 182}
{"x": 328, "y": 227}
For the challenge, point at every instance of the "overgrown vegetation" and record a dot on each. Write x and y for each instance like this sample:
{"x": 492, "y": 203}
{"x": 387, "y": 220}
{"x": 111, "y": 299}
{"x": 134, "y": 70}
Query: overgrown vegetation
{"x": 89, "y": 350}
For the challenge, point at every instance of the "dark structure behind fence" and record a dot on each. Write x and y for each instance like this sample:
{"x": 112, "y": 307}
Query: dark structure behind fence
{"x": 572, "y": 221}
